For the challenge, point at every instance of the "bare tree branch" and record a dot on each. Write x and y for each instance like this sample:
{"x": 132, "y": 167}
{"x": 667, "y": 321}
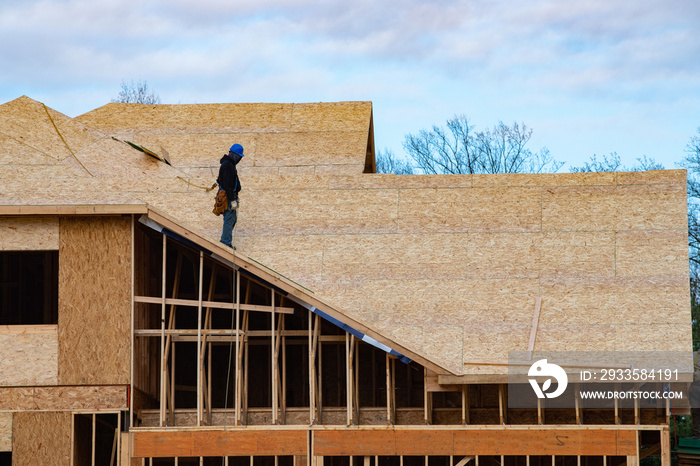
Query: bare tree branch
{"x": 457, "y": 149}
{"x": 137, "y": 93}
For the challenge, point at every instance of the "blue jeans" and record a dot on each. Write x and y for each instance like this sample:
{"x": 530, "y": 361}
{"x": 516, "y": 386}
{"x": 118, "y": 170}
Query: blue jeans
{"x": 229, "y": 222}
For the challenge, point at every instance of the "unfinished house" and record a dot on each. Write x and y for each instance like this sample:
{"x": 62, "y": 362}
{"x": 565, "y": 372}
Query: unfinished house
{"x": 363, "y": 320}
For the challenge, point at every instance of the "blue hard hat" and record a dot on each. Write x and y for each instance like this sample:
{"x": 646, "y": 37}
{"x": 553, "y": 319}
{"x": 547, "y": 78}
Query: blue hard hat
{"x": 237, "y": 149}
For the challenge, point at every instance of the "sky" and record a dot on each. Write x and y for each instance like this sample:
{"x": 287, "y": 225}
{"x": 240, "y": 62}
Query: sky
{"x": 588, "y": 76}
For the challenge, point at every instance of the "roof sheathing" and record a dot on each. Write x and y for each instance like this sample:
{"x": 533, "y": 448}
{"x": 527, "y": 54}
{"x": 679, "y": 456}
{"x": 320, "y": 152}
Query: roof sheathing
{"x": 447, "y": 267}
{"x": 278, "y": 138}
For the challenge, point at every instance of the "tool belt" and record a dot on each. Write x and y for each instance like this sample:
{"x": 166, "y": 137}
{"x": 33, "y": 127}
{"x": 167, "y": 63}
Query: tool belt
{"x": 220, "y": 203}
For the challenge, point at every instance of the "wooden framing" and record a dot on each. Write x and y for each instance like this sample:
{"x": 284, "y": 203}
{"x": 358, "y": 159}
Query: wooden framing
{"x": 466, "y": 444}
{"x": 87, "y": 209}
{"x": 507, "y": 441}
{"x": 323, "y": 441}
{"x": 116, "y": 452}
{"x": 213, "y": 304}
{"x": 188, "y": 443}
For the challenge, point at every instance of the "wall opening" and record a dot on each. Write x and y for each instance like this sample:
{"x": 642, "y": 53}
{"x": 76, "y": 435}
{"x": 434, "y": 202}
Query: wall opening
{"x": 28, "y": 287}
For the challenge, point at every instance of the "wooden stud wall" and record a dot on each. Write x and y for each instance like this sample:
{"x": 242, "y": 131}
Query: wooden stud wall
{"x": 94, "y": 300}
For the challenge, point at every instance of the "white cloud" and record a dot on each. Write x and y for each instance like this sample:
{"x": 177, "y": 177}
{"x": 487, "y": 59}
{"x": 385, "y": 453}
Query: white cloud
{"x": 423, "y": 60}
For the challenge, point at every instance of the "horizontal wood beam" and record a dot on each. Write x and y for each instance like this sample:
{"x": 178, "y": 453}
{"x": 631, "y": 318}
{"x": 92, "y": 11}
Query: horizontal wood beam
{"x": 212, "y": 304}
{"x": 169, "y": 444}
{"x": 49, "y": 329}
{"x": 87, "y": 209}
{"x": 475, "y": 442}
{"x": 64, "y": 398}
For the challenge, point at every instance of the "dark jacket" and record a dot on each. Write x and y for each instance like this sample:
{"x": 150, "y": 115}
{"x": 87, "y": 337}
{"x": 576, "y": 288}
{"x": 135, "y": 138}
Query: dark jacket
{"x": 228, "y": 175}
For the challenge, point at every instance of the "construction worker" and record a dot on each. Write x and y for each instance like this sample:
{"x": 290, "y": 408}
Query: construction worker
{"x": 228, "y": 181}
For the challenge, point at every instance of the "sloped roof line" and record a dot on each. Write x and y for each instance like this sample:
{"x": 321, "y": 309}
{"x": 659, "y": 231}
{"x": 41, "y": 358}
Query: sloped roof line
{"x": 64, "y": 140}
{"x": 294, "y": 291}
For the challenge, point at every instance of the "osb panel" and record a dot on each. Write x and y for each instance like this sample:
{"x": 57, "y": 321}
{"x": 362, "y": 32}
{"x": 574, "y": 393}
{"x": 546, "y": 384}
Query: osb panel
{"x": 570, "y": 337}
{"x": 261, "y": 181}
{"x": 200, "y": 150}
{"x": 332, "y": 116}
{"x": 577, "y": 254}
{"x": 194, "y": 118}
{"x": 289, "y": 149}
{"x": 445, "y": 343}
{"x": 591, "y": 208}
{"x": 5, "y": 431}
{"x": 503, "y": 255}
{"x": 651, "y": 253}
{"x": 644, "y": 336}
{"x": 438, "y": 302}
{"x": 123, "y": 161}
{"x": 41, "y": 438}
{"x": 12, "y": 151}
{"x": 637, "y": 300}
{"x": 366, "y": 257}
{"x": 470, "y": 210}
{"x": 487, "y": 341}
{"x": 340, "y": 169}
{"x": 94, "y": 300}
{"x": 181, "y": 184}
{"x": 654, "y": 206}
{"x": 296, "y": 171}
{"x": 28, "y": 359}
{"x": 59, "y": 185}
{"x": 28, "y": 233}
{"x": 545, "y": 179}
{"x": 653, "y": 177}
{"x": 283, "y": 254}
{"x": 63, "y": 398}
{"x": 240, "y": 117}
{"x": 27, "y": 120}
{"x": 318, "y": 212}
{"x": 391, "y": 181}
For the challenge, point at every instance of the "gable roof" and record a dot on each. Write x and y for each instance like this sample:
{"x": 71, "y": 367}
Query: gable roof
{"x": 447, "y": 269}
{"x": 278, "y": 138}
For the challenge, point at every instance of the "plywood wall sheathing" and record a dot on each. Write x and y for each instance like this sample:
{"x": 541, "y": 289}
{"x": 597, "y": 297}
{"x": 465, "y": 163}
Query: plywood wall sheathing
{"x": 6, "y": 431}
{"x": 28, "y": 233}
{"x": 41, "y": 438}
{"x": 94, "y": 311}
{"x": 60, "y": 398}
{"x": 29, "y": 359}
